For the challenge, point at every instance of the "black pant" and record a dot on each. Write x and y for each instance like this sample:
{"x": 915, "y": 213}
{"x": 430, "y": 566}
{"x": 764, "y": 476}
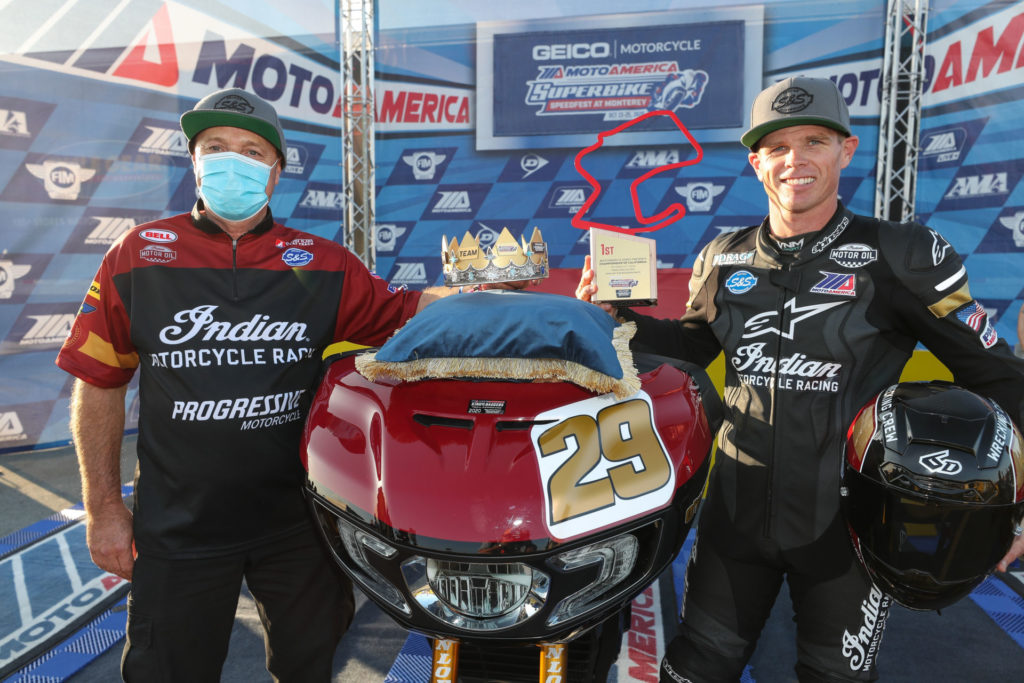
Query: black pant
{"x": 731, "y": 586}
{"x": 180, "y": 612}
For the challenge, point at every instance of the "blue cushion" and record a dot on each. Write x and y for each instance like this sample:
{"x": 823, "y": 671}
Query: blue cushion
{"x": 509, "y": 324}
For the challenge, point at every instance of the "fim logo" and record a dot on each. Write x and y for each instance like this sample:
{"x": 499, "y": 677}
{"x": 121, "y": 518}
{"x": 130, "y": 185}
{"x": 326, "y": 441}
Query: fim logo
{"x": 14, "y": 123}
{"x": 699, "y": 196}
{"x": 164, "y": 141}
{"x": 387, "y": 236}
{"x": 409, "y": 274}
{"x": 9, "y": 272}
{"x": 11, "y": 428}
{"x": 50, "y": 328}
{"x": 424, "y": 164}
{"x": 1015, "y": 224}
{"x": 61, "y": 179}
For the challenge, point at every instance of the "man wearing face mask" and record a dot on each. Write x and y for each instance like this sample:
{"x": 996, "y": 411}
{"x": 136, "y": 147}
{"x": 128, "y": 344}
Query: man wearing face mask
{"x": 226, "y": 313}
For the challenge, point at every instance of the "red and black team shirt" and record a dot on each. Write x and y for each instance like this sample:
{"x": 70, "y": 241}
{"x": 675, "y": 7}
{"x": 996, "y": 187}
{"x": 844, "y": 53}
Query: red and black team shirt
{"x": 811, "y": 331}
{"x": 227, "y": 335}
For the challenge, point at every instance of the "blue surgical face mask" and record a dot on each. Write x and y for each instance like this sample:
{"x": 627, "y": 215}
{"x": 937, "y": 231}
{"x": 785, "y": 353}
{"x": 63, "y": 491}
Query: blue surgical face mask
{"x": 233, "y": 186}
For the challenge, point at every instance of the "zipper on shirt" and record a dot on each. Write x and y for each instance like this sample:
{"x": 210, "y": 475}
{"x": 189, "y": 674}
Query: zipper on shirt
{"x": 234, "y": 267}
{"x": 784, "y": 293}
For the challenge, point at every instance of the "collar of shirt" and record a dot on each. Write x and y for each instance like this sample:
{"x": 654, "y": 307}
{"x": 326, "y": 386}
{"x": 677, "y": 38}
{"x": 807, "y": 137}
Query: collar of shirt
{"x": 200, "y": 220}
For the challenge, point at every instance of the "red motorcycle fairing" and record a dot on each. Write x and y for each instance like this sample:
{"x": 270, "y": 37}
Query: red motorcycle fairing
{"x": 505, "y": 513}
{"x": 452, "y": 465}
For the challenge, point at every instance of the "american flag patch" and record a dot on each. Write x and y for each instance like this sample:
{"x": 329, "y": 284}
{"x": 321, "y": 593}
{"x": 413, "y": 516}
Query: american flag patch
{"x": 973, "y": 315}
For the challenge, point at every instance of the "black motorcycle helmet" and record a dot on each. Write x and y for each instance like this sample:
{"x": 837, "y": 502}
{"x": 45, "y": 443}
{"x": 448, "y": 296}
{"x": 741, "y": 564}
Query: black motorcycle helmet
{"x": 933, "y": 490}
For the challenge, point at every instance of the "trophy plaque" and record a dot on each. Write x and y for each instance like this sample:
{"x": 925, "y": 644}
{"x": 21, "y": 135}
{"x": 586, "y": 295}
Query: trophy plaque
{"x": 625, "y": 268}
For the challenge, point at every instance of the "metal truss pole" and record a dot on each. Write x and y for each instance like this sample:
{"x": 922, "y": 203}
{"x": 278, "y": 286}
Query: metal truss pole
{"x": 357, "y": 127}
{"x": 900, "y": 121}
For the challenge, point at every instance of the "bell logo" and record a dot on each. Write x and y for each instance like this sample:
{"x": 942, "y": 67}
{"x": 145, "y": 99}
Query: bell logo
{"x": 108, "y": 229}
{"x": 11, "y": 428}
{"x": 984, "y": 185}
{"x": 14, "y": 122}
{"x": 61, "y": 179}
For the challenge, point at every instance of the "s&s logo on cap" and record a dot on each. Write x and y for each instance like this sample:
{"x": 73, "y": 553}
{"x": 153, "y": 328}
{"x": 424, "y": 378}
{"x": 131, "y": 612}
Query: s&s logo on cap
{"x": 235, "y": 103}
{"x": 792, "y": 100}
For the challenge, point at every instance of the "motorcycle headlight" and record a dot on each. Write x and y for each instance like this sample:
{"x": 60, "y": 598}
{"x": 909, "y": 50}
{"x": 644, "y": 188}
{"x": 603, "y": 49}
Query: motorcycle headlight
{"x": 616, "y": 557}
{"x": 357, "y": 542}
{"x": 476, "y": 596}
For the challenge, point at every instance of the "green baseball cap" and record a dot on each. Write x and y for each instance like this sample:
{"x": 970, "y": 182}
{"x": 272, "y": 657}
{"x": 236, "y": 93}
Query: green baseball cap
{"x": 797, "y": 101}
{"x": 237, "y": 108}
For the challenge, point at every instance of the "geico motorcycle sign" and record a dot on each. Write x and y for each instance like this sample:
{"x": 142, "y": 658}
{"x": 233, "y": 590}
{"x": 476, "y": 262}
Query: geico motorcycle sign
{"x": 601, "y": 461}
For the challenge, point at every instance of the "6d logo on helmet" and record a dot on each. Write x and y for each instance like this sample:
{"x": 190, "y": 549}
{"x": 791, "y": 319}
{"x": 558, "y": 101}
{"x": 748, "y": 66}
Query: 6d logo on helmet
{"x": 941, "y": 462}
{"x": 602, "y": 462}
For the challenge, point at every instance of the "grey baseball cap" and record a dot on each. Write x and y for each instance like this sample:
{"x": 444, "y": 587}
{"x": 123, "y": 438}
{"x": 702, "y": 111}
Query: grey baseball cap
{"x": 238, "y": 108}
{"x": 797, "y": 101}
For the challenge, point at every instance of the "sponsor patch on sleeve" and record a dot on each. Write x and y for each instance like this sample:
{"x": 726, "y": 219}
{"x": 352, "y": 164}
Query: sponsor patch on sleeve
{"x": 974, "y": 316}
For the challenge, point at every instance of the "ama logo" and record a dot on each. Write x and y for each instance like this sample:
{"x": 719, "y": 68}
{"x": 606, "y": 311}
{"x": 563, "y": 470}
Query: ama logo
{"x": 641, "y": 161}
{"x": 981, "y": 186}
{"x": 320, "y": 201}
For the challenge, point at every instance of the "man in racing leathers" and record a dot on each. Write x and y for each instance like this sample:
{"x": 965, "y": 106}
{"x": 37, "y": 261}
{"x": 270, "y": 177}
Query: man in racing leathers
{"x": 226, "y": 314}
{"x": 817, "y": 310}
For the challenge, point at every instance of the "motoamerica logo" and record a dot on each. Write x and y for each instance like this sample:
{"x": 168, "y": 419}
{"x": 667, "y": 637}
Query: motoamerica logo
{"x": 108, "y": 229}
{"x": 164, "y": 141}
{"x": 14, "y": 123}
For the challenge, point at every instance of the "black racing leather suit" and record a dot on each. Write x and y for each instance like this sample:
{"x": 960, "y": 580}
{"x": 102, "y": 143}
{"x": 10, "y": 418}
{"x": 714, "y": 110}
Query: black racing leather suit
{"x": 809, "y": 337}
